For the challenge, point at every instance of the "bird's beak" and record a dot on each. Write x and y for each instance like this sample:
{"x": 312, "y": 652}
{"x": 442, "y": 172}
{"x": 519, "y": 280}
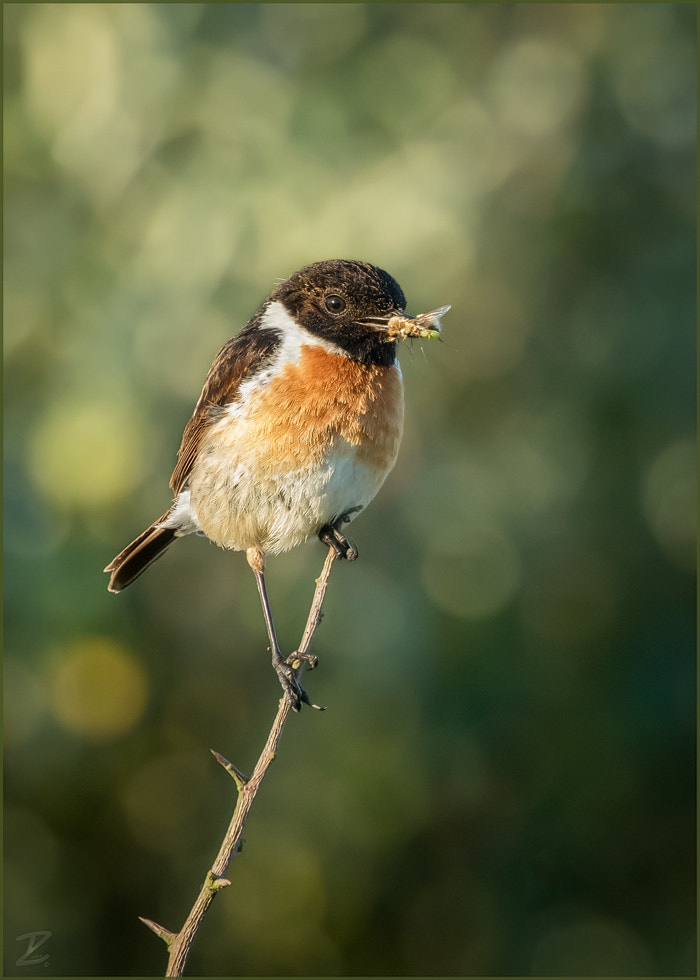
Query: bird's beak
{"x": 398, "y": 324}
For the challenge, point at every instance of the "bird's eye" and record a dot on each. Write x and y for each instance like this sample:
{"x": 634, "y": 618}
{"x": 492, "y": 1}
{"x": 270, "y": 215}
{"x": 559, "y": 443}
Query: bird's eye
{"x": 334, "y": 303}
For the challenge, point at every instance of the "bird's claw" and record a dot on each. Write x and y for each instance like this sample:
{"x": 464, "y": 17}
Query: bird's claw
{"x": 287, "y": 673}
{"x": 343, "y": 546}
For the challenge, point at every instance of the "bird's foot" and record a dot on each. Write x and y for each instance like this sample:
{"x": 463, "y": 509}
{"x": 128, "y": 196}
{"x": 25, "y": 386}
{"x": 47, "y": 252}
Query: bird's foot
{"x": 287, "y": 673}
{"x": 332, "y": 536}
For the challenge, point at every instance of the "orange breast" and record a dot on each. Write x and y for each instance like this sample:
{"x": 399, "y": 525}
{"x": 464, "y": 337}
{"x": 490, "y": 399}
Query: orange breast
{"x": 324, "y": 398}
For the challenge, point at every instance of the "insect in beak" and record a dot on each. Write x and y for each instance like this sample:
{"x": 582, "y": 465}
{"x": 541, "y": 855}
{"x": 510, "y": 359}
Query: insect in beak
{"x": 404, "y": 326}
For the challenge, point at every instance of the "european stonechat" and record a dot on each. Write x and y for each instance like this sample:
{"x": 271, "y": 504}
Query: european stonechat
{"x": 296, "y": 428}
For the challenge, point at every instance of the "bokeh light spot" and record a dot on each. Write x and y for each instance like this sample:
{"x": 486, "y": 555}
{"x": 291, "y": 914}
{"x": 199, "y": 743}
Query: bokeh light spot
{"x": 76, "y": 45}
{"x": 390, "y": 68}
{"x": 86, "y": 454}
{"x": 589, "y": 947}
{"x": 99, "y": 690}
{"x": 536, "y": 86}
{"x": 655, "y": 81}
{"x": 478, "y": 580}
{"x": 670, "y": 497}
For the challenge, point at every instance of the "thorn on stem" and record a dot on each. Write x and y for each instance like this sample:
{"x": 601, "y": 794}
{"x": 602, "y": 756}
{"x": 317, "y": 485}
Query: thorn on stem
{"x": 235, "y": 773}
{"x": 215, "y": 882}
{"x": 166, "y": 935}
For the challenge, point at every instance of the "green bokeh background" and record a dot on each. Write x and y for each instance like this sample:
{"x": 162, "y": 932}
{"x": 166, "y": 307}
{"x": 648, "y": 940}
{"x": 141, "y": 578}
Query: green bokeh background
{"x": 503, "y": 782}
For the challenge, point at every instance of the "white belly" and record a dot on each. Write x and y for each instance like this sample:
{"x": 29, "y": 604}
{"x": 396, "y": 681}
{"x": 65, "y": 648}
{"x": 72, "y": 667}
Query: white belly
{"x": 239, "y": 504}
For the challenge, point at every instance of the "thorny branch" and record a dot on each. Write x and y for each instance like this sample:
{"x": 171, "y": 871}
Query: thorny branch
{"x": 180, "y": 943}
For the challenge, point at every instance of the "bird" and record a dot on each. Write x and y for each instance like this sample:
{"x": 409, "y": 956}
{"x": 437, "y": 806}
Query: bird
{"x": 296, "y": 429}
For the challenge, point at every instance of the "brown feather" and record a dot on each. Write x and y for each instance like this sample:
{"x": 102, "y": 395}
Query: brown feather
{"x": 138, "y": 555}
{"x": 237, "y": 359}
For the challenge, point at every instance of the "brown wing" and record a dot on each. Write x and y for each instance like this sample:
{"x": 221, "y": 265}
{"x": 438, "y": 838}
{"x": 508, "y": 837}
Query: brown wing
{"x": 238, "y": 359}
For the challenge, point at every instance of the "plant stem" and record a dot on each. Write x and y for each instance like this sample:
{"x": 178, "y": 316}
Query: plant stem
{"x": 179, "y": 944}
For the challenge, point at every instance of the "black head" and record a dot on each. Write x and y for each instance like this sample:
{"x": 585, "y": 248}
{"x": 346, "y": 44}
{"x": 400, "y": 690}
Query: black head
{"x": 335, "y": 299}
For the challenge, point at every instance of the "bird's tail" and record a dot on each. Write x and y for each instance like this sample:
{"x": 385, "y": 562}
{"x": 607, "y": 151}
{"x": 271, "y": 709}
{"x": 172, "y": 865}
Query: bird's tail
{"x": 138, "y": 555}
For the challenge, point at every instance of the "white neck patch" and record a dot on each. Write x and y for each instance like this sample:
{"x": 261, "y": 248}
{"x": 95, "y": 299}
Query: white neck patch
{"x": 292, "y": 339}
{"x": 293, "y": 336}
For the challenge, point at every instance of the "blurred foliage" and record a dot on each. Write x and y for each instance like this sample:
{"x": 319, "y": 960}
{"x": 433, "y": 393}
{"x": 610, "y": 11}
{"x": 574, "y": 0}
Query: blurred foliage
{"x": 503, "y": 782}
